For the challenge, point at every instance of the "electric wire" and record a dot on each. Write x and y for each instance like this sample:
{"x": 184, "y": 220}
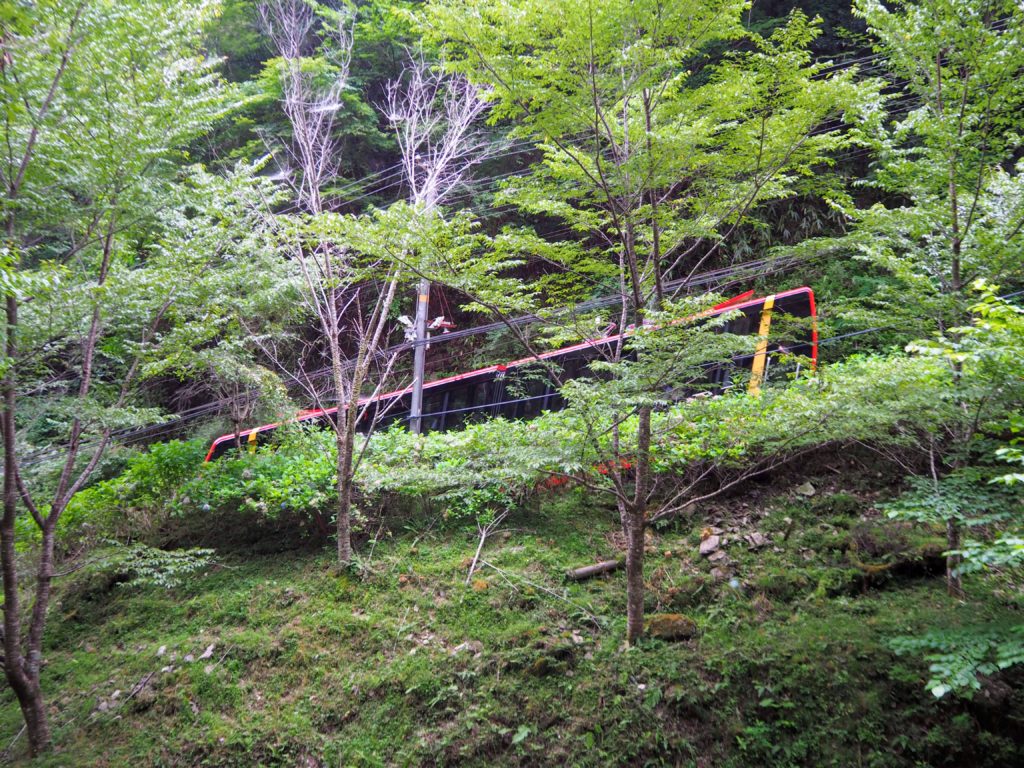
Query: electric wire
{"x": 523, "y": 146}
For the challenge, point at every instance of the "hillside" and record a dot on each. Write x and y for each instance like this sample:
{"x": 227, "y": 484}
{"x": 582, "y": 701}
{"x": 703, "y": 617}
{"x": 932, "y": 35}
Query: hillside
{"x": 512, "y": 382}
{"x": 280, "y": 659}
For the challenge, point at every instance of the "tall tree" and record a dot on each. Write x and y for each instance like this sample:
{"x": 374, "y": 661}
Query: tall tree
{"x": 952, "y": 165}
{"x": 653, "y": 151}
{"x": 348, "y": 286}
{"x": 433, "y": 117}
{"x": 97, "y": 99}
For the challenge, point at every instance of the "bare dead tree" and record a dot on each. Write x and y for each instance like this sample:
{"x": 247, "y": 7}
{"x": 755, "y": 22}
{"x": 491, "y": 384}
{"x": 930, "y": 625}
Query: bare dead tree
{"x": 351, "y": 310}
{"x": 310, "y": 105}
{"x": 433, "y": 117}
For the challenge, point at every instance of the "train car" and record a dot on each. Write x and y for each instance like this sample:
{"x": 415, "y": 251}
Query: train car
{"x": 520, "y": 389}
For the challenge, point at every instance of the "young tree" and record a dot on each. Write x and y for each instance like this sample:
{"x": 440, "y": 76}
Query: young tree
{"x": 245, "y": 301}
{"x": 950, "y": 164}
{"x": 988, "y": 357}
{"x": 97, "y": 98}
{"x": 653, "y": 151}
{"x": 348, "y": 287}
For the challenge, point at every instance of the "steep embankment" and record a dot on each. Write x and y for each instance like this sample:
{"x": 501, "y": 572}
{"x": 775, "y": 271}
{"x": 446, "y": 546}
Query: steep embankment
{"x": 281, "y": 660}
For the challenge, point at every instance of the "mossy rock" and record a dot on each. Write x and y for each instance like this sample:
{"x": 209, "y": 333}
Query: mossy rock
{"x": 840, "y": 505}
{"x": 692, "y": 590}
{"x": 670, "y": 626}
{"x": 782, "y": 583}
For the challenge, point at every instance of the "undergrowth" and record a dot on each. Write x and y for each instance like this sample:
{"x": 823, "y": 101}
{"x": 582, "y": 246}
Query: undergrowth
{"x": 285, "y": 660}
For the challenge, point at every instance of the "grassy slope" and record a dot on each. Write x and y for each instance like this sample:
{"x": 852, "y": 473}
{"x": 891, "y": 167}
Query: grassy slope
{"x": 311, "y": 667}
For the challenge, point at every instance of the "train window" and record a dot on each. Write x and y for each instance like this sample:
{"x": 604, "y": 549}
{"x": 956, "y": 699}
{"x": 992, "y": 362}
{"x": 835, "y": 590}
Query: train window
{"x": 391, "y": 410}
{"x": 455, "y": 408}
{"x": 435, "y": 404}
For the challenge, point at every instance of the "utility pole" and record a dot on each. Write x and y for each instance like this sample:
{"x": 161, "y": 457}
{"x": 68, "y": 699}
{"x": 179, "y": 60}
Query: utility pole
{"x": 419, "y": 359}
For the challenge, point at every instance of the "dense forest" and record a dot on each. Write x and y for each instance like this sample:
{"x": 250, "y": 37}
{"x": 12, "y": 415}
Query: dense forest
{"x": 507, "y": 382}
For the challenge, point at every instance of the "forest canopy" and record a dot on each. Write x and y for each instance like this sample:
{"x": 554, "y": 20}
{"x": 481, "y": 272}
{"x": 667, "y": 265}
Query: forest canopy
{"x": 321, "y": 273}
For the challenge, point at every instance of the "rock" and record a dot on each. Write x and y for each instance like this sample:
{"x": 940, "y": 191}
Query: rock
{"x": 189, "y": 657}
{"x": 670, "y": 626}
{"x": 719, "y": 574}
{"x": 718, "y": 557}
{"x": 161, "y": 650}
{"x": 710, "y": 544}
{"x": 542, "y": 666}
{"x": 806, "y": 490}
{"x": 757, "y": 540}
{"x": 473, "y": 646}
{"x": 208, "y": 652}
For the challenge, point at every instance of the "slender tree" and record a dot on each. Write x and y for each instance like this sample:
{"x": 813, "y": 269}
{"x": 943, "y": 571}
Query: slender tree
{"x": 349, "y": 291}
{"x": 653, "y": 150}
{"x": 96, "y": 100}
{"x": 949, "y": 161}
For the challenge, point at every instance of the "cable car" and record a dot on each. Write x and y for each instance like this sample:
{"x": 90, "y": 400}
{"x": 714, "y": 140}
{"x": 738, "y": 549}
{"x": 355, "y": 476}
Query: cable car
{"x": 520, "y": 390}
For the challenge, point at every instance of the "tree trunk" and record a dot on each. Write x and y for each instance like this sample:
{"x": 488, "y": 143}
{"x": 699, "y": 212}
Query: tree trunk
{"x": 634, "y": 531}
{"x": 344, "y": 486}
{"x": 634, "y": 523}
{"x": 954, "y": 582}
{"x": 589, "y": 571}
{"x": 22, "y": 674}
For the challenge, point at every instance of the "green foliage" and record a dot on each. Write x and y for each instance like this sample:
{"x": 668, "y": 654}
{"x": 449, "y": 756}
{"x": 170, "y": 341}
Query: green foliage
{"x": 294, "y": 479}
{"x": 482, "y": 505}
{"x": 887, "y": 400}
{"x": 959, "y": 659}
{"x": 949, "y": 162}
{"x": 168, "y": 492}
{"x": 143, "y": 566}
{"x": 966, "y": 495}
{"x": 133, "y": 505}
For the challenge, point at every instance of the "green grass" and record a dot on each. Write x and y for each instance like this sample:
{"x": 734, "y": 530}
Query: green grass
{"x": 315, "y": 667}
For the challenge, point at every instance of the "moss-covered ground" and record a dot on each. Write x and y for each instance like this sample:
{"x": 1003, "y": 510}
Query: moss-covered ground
{"x": 284, "y": 660}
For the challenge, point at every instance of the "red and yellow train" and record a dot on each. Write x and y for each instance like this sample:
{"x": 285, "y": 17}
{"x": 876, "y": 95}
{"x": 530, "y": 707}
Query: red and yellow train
{"x": 506, "y": 389}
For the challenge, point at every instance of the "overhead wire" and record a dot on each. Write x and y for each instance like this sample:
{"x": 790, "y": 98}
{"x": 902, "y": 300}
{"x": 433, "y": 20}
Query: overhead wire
{"x": 523, "y": 146}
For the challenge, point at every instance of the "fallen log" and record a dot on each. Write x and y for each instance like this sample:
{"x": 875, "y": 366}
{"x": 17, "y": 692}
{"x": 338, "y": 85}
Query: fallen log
{"x": 589, "y": 571}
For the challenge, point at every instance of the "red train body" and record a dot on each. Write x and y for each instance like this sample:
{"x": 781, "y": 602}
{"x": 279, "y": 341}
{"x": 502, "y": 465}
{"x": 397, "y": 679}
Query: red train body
{"x": 450, "y": 402}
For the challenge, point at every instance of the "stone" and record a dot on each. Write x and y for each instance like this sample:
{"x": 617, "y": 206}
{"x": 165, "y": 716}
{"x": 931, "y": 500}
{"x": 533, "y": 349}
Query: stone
{"x": 710, "y": 544}
{"x": 161, "y": 650}
{"x": 756, "y": 540}
{"x": 670, "y": 626}
{"x": 806, "y": 490}
{"x": 718, "y": 557}
{"x": 208, "y": 652}
{"x": 719, "y": 574}
{"x": 472, "y": 646}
